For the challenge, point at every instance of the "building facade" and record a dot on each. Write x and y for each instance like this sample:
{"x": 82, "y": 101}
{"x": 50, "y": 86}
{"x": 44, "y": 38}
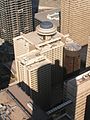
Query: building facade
{"x": 35, "y": 72}
{"x": 78, "y": 90}
{"x": 15, "y": 17}
{"x": 75, "y": 17}
{"x": 46, "y": 41}
{"x": 71, "y": 57}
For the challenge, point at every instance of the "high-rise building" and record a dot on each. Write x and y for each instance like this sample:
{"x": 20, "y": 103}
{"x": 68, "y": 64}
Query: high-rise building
{"x": 15, "y": 17}
{"x": 78, "y": 90}
{"x": 75, "y": 17}
{"x": 35, "y": 71}
{"x": 45, "y": 41}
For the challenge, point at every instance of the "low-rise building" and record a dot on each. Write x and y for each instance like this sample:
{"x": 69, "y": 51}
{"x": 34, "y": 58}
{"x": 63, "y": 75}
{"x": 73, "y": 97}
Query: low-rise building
{"x": 16, "y": 105}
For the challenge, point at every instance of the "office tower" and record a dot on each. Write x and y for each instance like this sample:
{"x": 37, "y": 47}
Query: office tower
{"x": 71, "y": 57}
{"x": 78, "y": 90}
{"x": 75, "y": 17}
{"x": 15, "y": 17}
{"x": 35, "y": 71}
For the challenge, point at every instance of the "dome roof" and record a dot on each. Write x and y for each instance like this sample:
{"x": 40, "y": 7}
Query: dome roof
{"x": 46, "y": 25}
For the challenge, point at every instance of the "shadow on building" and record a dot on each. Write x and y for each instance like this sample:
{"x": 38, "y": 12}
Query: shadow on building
{"x": 46, "y": 88}
{"x": 70, "y": 93}
{"x": 87, "y": 108}
{"x": 77, "y": 91}
{"x": 57, "y": 83}
{"x": 6, "y": 59}
{"x": 27, "y": 105}
{"x": 83, "y": 57}
{"x": 73, "y": 90}
{"x": 35, "y": 6}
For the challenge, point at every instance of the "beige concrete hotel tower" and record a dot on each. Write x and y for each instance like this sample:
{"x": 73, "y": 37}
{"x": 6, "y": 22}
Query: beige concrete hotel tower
{"x": 39, "y": 63}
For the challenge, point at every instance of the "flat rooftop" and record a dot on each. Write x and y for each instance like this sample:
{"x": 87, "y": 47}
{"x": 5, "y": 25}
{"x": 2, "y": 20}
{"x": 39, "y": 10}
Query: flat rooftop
{"x": 79, "y": 82}
{"x": 35, "y": 39}
{"x": 34, "y": 60}
{"x": 50, "y": 15}
{"x": 19, "y": 106}
{"x": 16, "y": 113}
{"x": 80, "y": 79}
{"x": 49, "y": 3}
